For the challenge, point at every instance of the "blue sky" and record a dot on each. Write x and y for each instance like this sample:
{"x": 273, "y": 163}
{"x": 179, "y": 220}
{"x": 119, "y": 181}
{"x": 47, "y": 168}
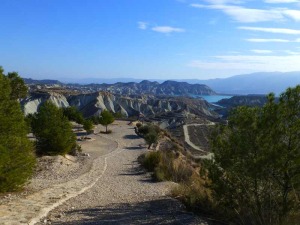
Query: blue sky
{"x": 152, "y": 39}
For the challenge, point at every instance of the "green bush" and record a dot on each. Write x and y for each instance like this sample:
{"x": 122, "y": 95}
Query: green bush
{"x": 88, "y": 126}
{"x": 53, "y": 131}
{"x": 143, "y": 130}
{"x": 151, "y": 160}
{"x": 73, "y": 114}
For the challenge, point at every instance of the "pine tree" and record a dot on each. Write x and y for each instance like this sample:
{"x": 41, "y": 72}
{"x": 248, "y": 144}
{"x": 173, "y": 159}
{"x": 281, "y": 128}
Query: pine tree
{"x": 53, "y": 131}
{"x": 17, "y": 159}
{"x": 256, "y": 168}
{"x": 106, "y": 118}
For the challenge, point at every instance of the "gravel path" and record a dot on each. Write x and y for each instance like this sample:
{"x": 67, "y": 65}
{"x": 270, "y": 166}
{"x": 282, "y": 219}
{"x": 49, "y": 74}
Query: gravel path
{"x": 124, "y": 194}
{"x": 114, "y": 191}
{"x": 189, "y": 142}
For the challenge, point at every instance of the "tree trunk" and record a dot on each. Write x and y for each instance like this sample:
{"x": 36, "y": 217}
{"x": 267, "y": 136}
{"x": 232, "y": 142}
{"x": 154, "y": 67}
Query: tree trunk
{"x": 106, "y": 128}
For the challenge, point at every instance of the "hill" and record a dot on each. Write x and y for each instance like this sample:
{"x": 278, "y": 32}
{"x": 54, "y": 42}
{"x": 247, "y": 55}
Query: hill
{"x": 256, "y": 83}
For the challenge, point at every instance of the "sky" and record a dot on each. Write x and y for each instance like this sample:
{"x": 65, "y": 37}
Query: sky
{"x": 148, "y": 39}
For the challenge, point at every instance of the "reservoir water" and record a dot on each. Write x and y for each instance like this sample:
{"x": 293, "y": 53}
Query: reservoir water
{"x": 212, "y": 98}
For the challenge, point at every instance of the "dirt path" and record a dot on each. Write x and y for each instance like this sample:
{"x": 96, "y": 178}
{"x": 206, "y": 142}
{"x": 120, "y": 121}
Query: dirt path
{"x": 124, "y": 194}
{"x": 114, "y": 191}
{"x": 187, "y": 140}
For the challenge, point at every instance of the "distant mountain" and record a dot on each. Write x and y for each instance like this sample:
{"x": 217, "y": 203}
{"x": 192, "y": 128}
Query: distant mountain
{"x": 100, "y": 80}
{"x": 171, "y": 88}
{"x": 256, "y": 83}
{"x": 49, "y": 82}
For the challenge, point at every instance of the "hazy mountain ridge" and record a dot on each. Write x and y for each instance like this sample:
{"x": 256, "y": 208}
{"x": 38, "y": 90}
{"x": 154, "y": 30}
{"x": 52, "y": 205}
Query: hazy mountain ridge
{"x": 256, "y": 83}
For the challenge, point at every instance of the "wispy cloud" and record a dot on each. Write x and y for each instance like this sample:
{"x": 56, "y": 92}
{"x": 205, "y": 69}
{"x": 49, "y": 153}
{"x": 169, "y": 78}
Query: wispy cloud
{"x": 271, "y": 40}
{"x": 250, "y": 63}
{"x": 260, "y": 51}
{"x": 294, "y": 14}
{"x": 250, "y": 15}
{"x": 281, "y": 1}
{"x": 167, "y": 29}
{"x": 142, "y": 25}
{"x": 291, "y": 52}
{"x": 245, "y": 15}
{"x": 272, "y": 30}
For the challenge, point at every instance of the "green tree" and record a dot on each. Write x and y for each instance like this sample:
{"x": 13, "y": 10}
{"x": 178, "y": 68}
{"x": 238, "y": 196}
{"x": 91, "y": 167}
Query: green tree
{"x": 19, "y": 89}
{"x": 53, "y": 131}
{"x": 88, "y": 125}
{"x": 256, "y": 167}
{"x": 73, "y": 114}
{"x": 106, "y": 118}
{"x": 151, "y": 138}
{"x": 17, "y": 159}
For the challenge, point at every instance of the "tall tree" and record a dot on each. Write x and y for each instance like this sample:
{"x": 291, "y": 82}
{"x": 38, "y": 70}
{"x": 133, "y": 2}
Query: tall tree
{"x": 256, "y": 168}
{"x": 17, "y": 159}
{"x": 53, "y": 131}
{"x": 19, "y": 89}
{"x": 106, "y": 118}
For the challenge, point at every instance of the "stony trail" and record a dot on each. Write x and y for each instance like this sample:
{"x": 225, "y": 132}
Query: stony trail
{"x": 114, "y": 191}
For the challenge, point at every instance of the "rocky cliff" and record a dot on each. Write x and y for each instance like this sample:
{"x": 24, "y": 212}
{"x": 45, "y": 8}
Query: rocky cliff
{"x": 132, "y": 105}
{"x": 35, "y": 99}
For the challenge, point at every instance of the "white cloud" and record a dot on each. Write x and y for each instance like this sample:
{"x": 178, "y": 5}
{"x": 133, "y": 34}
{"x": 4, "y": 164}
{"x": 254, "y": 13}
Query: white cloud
{"x": 294, "y": 14}
{"x": 249, "y": 15}
{"x": 142, "y": 25}
{"x": 291, "y": 52}
{"x": 222, "y": 2}
{"x": 272, "y": 30}
{"x": 281, "y": 1}
{"x": 250, "y": 63}
{"x": 260, "y": 51}
{"x": 266, "y": 40}
{"x": 245, "y": 15}
{"x": 167, "y": 29}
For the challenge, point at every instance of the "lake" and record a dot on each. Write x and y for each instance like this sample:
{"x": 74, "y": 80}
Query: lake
{"x": 213, "y": 98}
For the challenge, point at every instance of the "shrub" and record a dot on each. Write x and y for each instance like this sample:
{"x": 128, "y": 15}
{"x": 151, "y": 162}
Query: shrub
{"x": 73, "y": 114}
{"x": 150, "y": 160}
{"x": 53, "y": 131}
{"x": 138, "y": 125}
{"x": 88, "y": 126}
{"x": 151, "y": 138}
{"x": 143, "y": 130}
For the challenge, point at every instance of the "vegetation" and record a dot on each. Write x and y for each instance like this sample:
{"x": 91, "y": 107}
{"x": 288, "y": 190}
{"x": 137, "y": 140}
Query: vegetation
{"x": 88, "y": 126}
{"x": 53, "y": 131}
{"x": 150, "y": 133}
{"x": 255, "y": 174}
{"x": 17, "y": 159}
{"x": 73, "y": 114}
{"x": 18, "y": 87}
{"x": 106, "y": 118}
{"x": 167, "y": 165}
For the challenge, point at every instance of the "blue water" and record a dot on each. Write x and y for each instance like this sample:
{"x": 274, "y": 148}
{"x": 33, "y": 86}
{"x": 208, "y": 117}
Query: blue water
{"x": 213, "y": 98}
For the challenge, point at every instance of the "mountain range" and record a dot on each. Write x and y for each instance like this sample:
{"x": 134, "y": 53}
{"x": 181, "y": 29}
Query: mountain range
{"x": 255, "y": 83}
